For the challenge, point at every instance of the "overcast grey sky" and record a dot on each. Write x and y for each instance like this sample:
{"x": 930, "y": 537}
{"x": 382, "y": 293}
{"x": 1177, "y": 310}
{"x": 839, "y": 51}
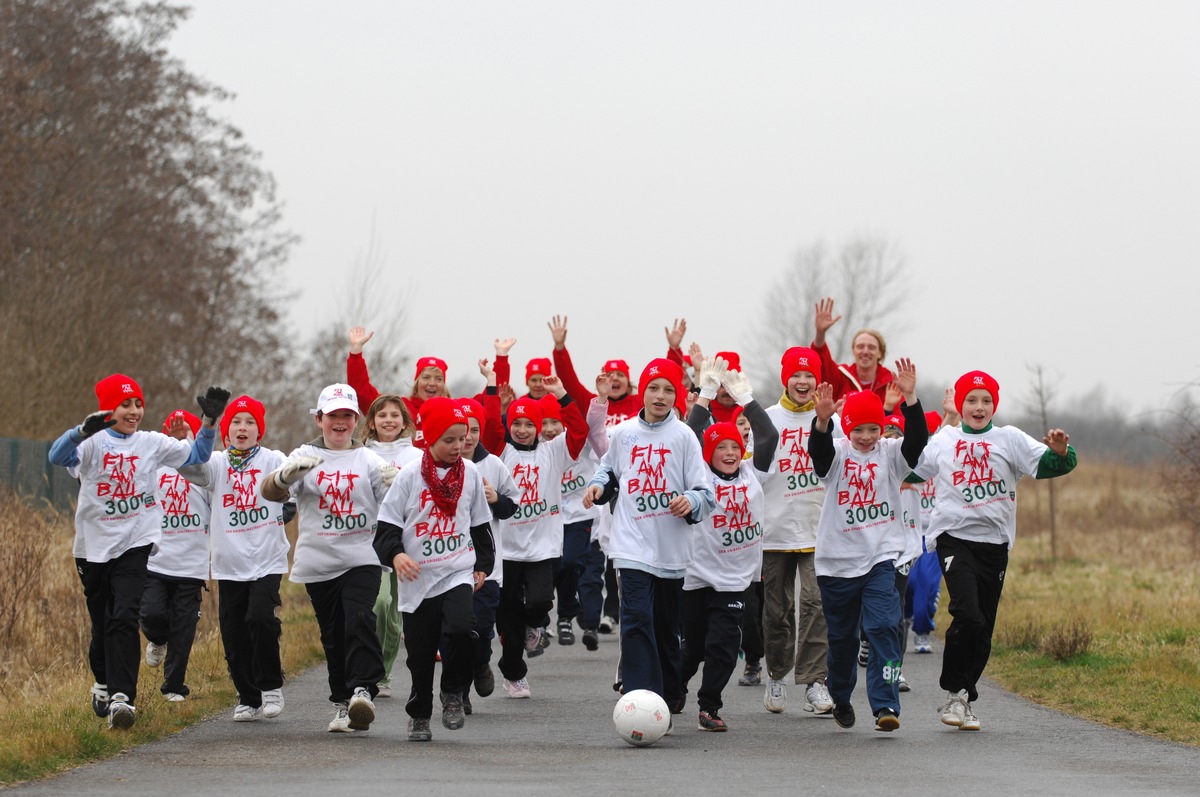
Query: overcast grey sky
{"x": 627, "y": 163}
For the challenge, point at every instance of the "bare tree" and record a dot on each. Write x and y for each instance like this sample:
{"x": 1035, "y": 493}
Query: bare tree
{"x": 867, "y": 276}
{"x": 1181, "y": 474}
{"x": 1039, "y": 405}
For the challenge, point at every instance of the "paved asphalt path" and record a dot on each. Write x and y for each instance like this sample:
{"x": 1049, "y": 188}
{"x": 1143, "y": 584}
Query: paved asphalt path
{"x": 562, "y": 742}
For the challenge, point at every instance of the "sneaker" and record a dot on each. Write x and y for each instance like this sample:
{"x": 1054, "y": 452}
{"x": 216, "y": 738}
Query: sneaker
{"x": 466, "y": 701}
{"x": 887, "y": 720}
{"x": 361, "y": 709}
{"x": 955, "y": 709}
{"x": 709, "y": 721}
{"x": 244, "y": 713}
{"x": 533, "y": 638}
{"x": 591, "y": 639}
{"x": 518, "y": 689}
{"x": 485, "y": 681}
{"x": 385, "y": 691}
{"x": 864, "y": 649}
{"x": 679, "y": 705}
{"x": 922, "y": 643}
{"x": 174, "y": 697}
{"x": 418, "y": 729}
{"x": 817, "y": 699}
{"x": 544, "y": 640}
{"x": 155, "y": 654}
{"x": 970, "y": 721}
{"x": 121, "y": 715}
{"x": 272, "y": 703}
{"x": 752, "y": 675}
{"x": 843, "y": 715}
{"x": 452, "y": 711}
{"x": 341, "y": 719}
{"x": 670, "y": 731}
{"x": 619, "y": 687}
{"x": 566, "y": 634}
{"x": 775, "y": 700}
{"x": 607, "y": 624}
{"x": 100, "y": 700}
{"x": 902, "y": 684}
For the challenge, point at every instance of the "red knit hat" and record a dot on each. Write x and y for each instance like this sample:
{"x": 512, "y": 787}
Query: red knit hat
{"x": 933, "y": 421}
{"x": 538, "y": 365}
{"x": 975, "y": 380}
{"x": 430, "y": 362}
{"x": 112, "y": 390}
{"x": 863, "y": 407}
{"x": 551, "y": 408}
{"x": 471, "y": 409}
{"x": 732, "y": 360}
{"x": 714, "y": 434}
{"x": 895, "y": 419}
{"x": 528, "y": 408}
{"x": 245, "y": 404}
{"x": 799, "y": 358}
{"x": 437, "y": 415}
{"x": 662, "y": 368}
{"x": 193, "y": 422}
{"x": 616, "y": 365}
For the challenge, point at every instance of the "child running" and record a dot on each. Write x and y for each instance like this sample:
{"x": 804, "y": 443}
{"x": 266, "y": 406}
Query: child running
{"x": 976, "y": 467}
{"x": 117, "y": 523}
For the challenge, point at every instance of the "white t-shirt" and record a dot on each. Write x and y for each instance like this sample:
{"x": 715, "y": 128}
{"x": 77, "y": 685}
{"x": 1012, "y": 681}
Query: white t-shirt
{"x": 794, "y": 494}
{"x": 495, "y": 472}
{"x": 861, "y": 518}
{"x": 399, "y": 452}
{"x": 439, "y": 543}
{"x": 729, "y": 541}
{"x": 182, "y": 550}
{"x": 337, "y": 508}
{"x": 535, "y": 532}
{"x": 976, "y": 479}
{"x": 910, "y": 518}
{"x": 117, "y": 509}
{"x": 249, "y": 540}
{"x": 574, "y": 481}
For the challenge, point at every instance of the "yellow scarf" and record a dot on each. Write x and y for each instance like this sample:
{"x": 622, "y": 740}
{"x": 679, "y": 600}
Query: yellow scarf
{"x": 792, "y": 406}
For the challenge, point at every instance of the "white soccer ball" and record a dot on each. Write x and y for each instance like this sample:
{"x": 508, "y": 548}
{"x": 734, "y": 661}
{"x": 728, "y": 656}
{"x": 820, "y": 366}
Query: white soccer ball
{"x": 641, "y": 717}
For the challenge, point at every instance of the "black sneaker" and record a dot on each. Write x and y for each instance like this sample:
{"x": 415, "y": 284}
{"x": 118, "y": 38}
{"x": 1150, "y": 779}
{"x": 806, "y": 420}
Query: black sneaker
{"x": 886, "y": 720}
{"x": 709, "y": 721}
{"x": 452, "y": 710}
{"x": 591, "y": 639}
{"x": 418, "y": 729}
{"x": 100, "y": 700}
{"x": 864, "y": 650}
{"x": 566, "y": 634}
{"x": 485, "y": 681}
{"x": 843, "y": 715}
{"x": 752, "y": 676}
{"x": 544, "y": 642}
{"x": 466, "y": 701}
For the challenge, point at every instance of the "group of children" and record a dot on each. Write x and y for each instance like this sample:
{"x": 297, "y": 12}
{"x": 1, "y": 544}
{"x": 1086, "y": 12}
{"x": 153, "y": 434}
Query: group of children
{"x": 450, "y": 520}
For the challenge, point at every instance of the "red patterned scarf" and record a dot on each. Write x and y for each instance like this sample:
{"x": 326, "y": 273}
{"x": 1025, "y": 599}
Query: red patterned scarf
{"x": 445, "y": 491}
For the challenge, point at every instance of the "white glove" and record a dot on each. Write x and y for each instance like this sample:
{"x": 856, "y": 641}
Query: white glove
{"x": 387, "y": 474}
{"x": 710, "y": 377}
{"x": 738, "y": 386}
{"x": 294, "y": 469}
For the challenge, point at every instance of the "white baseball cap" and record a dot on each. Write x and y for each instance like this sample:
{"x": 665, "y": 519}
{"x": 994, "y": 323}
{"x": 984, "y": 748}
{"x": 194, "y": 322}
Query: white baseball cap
{"x": 337, "y": 397}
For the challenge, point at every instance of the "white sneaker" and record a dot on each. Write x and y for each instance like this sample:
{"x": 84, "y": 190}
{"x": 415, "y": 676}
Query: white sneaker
{"x": 341, "y": 719}
{"x": 384, "y": 690}
{"x": 155, "y": 654}
{"x": 902, "y": 684}
{"x": 121, "y": 715}
{"x": 244, "y": 713}
{"x": 361, "y": 710}
{"x": 817, "y": 699}
{"x": 956, "y": 708}
{"x": 607, "y": 624}
{"x": 970, "y": 721}
{"x": 174, "y": 697}
{"x": 775, "y": 700}
{"x": 100, "y": 700}
{"x": 518, "y": 689}
{"x": 533, "y": 638}
{"x": 272, "y": 703}
{"x": 922, "y": 643}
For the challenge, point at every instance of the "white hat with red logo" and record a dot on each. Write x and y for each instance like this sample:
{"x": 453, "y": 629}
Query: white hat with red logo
{"x": 337, "y": 397}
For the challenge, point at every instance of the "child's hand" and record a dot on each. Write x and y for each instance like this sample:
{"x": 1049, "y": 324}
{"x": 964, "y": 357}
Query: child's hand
{"x": 948, "y": 408}
{"x": 506, "y": 396}
{"x": 680, "y": 506}
{"x": 554, "y": 385}
{"x": 294, "y": 469}
{"x": 675, "y": 333}
{"x": 1057, "y": 439}
{"x": 558, "y": 330}
{"x": 824, "y": 406}
{"x": 825, "y": 318}
{"x": 893, "y": 396}
{"x": 697, "y": 359}
{"x": 358, "y": 338}
{"x": 406, "y": 567}
{"x": 603, "y": 387}
{"x": 489, "y": 492}
{"x": 738, "y": 386}
{"x": 590, "y": 496}
{"x": 179, "y": 428}
{"x": 212, "y": 404}
{"x": 503, "y": 346}
{"x": 387, "y": 474}
{"x": 906, "y": 379}
{"x": 711, "y": 375}
{"x": 478, "y": 578}
{"x": 96, "y": 422}
{"x": 486, "y": 370}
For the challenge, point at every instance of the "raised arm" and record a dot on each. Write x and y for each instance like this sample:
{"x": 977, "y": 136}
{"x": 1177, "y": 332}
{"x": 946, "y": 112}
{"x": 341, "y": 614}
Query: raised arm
{"x": 563, "y": 366}
{"x": 575, "y": 426}
{"x": 492, "y": 433}
{"x": 356, "y": 369}
{"x": 503, "y": 370}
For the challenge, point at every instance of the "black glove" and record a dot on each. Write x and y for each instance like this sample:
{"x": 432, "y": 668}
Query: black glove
{"x": 212, "y": 404}
{"x": 96, "y": 422}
